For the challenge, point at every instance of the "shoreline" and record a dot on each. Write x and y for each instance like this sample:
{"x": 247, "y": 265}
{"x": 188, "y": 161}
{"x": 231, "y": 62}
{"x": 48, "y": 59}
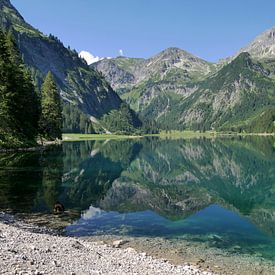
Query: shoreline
{"x": 182, "y": 253}
{"x": 199, "y": 255}
{"x": 23, "y": 251}
{"x": 39, "y": 147}
{"x": 175, "y": 135}
{"x": 96, "y": 137}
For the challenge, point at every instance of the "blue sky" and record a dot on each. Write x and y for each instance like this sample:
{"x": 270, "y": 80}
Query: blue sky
{"x": 210, "y": 29}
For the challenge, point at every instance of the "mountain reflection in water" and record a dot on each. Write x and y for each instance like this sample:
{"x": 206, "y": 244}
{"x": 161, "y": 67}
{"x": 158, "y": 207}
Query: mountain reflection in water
{"x": 216, "y": 190}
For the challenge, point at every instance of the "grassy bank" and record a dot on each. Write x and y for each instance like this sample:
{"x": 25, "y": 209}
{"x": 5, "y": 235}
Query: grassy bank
{"x": 185, "y": 134}
{"x": 163, "y": 134}
{"x": 207, "y": 134}
{"x": 78, "y": 137}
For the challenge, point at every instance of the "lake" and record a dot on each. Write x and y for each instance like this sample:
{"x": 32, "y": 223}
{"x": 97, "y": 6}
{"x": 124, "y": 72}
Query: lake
{"x": 220, "y": 192}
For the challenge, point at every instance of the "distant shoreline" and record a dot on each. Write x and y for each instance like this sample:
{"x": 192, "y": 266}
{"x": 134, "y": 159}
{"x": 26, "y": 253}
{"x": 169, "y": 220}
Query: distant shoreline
{"x": 79, "y": 137}
{"x": 173, "y": 135}
{"x": 23, "y": 149}
{"x": 39, "y": 147}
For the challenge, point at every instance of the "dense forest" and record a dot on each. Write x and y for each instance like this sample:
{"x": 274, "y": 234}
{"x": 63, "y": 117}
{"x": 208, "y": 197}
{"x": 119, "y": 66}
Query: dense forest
{"x": 74, "y": 121}
{"x": 25, "y": 114}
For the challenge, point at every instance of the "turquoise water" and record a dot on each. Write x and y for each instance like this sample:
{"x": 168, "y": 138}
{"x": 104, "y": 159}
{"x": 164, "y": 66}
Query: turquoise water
{"x": 220, "y": 192}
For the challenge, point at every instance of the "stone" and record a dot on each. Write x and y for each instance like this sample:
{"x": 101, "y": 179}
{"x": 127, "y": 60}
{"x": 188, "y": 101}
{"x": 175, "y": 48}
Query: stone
{"x": 119, "y": 243}
{"x": 32, "y": 247}
{"x": 77, "y": 245}
{"x": 130, "y": 250}
{"x": 55, "y": 263}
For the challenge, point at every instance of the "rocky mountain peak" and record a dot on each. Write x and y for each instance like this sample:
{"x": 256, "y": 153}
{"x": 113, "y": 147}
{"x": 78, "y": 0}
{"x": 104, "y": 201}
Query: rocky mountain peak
{"x": 9, "y": 16}
{"x": 263, "y": 46}
{"x": 8, "y": 9}
{"x": 174, "y": 54}
{"x": 5, "y": 2}
{"x": 172, "y": 51}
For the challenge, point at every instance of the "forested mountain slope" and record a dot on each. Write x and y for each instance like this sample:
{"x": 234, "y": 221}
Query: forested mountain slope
{"x": 83, "y": 88}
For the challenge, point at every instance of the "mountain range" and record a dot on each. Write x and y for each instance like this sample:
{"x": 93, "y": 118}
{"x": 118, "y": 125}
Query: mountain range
{"x": 182, "y": 91}
{"x": 174, "y": 89}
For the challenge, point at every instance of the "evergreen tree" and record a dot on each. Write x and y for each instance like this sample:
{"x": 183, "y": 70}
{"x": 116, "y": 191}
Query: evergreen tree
{"x": 51, "y": 112}
{"x": 74, "y": 121}
{"x": 25, "y": 104}
{"x": 19, "y": 112}
{"x": 12, "y": 49}
{"x": 5, "y": 96}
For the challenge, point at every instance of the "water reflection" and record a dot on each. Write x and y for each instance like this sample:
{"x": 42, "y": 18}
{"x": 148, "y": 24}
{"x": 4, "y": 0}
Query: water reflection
{"x": 173, "y": 188}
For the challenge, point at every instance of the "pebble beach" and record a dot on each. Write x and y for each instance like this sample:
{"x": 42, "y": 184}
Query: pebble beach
{"x": 26, "y": 249}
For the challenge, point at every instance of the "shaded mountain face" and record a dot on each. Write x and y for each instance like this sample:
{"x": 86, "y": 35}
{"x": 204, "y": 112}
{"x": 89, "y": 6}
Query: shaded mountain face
{"x": 80, "y": 85}
{"x": 120, "y": 72}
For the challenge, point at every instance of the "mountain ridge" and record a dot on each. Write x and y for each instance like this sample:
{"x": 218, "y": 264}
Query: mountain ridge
{"x": 137, "y": 70}
{"x": 263, "y": 46}
{"x": 176, "y": 94}
{"x": 80, "y": 86}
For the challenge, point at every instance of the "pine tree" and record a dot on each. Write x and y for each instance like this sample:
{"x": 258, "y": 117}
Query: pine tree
{"x": 25, "y": 104}
{"x": 19, "y": 112}
{"x": 12, "y": 49}
{"x": 4, "y": 94}
{"x": 51, "y": 111}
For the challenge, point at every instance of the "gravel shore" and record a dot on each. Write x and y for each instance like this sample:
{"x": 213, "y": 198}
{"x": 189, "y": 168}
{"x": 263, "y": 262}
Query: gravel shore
{"x": 28, "y": 252}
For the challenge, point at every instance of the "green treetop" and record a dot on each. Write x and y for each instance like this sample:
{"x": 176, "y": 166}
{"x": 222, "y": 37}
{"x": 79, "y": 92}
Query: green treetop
{"x": 51, "y": 111}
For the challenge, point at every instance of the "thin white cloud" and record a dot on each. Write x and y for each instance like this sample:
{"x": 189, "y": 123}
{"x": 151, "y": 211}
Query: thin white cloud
{"x": 89, "y": 58}
{"x": 121, "y": 53}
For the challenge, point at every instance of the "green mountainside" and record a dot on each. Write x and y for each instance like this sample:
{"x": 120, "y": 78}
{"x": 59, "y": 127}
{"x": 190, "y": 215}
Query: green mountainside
{"x": 181, "y": 91}
{"x": 234, "y": 98}
{"x": 80, "y": 86}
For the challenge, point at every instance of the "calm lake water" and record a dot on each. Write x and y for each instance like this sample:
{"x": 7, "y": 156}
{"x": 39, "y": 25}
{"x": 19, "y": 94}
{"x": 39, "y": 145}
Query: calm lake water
{"x": 219, "y": 191}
